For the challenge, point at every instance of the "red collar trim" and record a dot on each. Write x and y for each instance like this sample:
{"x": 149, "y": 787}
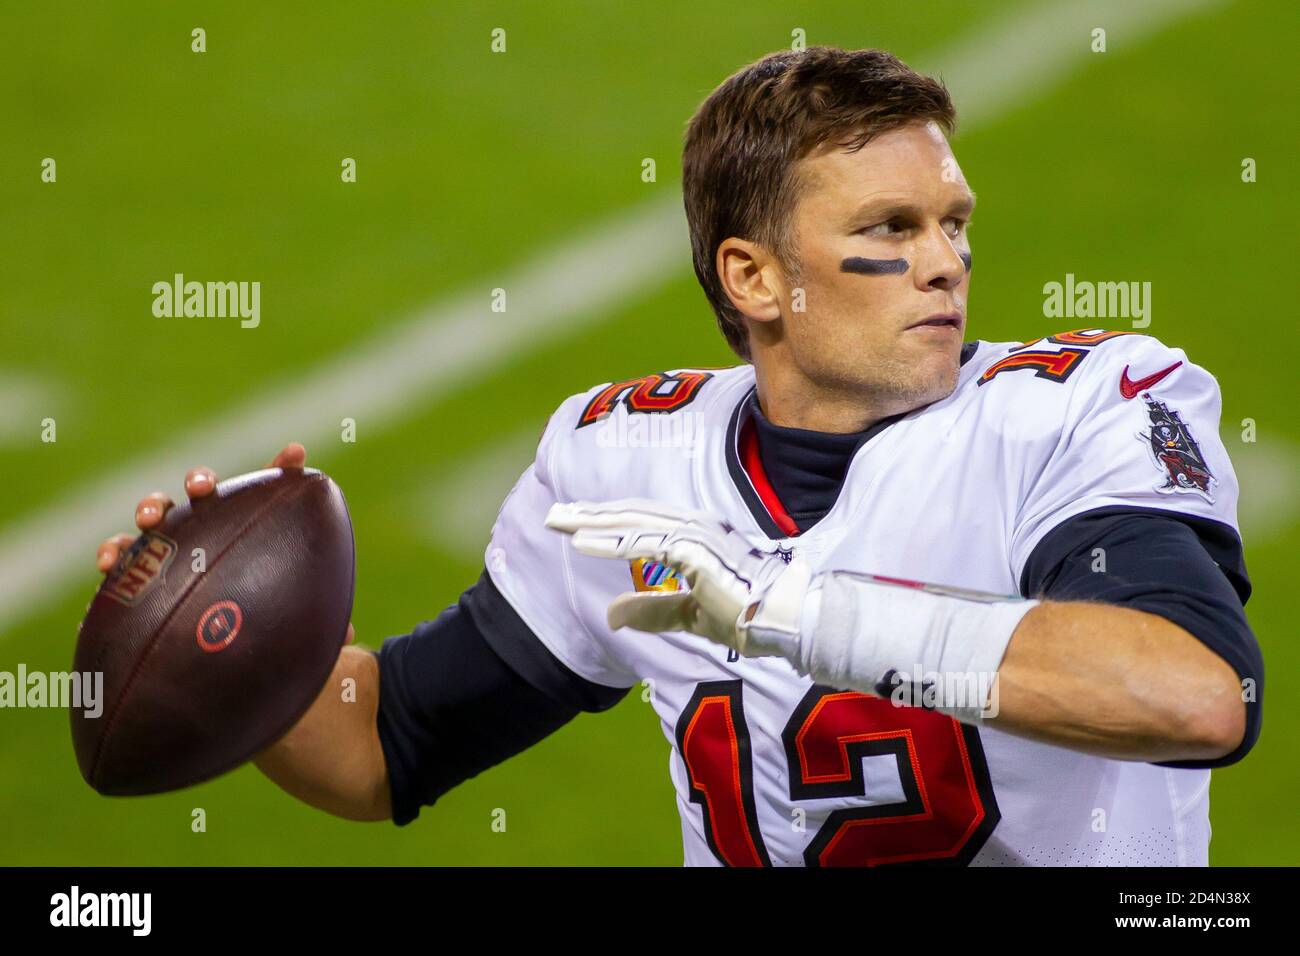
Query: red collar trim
{"x": 752, "y": 462}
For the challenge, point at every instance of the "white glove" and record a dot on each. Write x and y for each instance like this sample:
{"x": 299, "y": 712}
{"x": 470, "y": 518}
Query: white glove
{"x": 844, "y": 629}
{"x": 740, "y": 595}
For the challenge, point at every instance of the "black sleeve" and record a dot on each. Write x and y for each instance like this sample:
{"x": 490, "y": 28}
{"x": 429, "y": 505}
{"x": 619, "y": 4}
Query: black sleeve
{"x": 1188, "y": 570}
{"x": 465, "y": 691}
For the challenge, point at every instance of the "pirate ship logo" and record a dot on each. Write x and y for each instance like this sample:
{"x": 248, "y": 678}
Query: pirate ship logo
{"x": 1175, "y": 453}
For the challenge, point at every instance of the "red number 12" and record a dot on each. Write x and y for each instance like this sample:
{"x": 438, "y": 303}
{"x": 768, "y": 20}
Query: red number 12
{"x": 948, "y": 808}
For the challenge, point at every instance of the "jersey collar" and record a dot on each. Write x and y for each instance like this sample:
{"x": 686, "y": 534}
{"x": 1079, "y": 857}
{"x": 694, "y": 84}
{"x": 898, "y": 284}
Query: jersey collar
{"x": 745, "y": 464}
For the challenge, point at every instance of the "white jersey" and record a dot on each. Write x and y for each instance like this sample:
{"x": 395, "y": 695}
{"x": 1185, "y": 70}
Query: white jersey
{"x": 773, "y": 770}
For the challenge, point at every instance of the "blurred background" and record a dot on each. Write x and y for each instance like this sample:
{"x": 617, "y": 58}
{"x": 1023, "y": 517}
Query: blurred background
{"x": 525, "y": 170}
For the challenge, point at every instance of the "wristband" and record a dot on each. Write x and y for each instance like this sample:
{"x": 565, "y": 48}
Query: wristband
{"x": 918, "y": 644}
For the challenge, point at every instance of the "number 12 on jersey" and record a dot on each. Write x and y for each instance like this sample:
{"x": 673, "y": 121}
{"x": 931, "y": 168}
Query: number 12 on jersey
{"x": 948, "y": 808}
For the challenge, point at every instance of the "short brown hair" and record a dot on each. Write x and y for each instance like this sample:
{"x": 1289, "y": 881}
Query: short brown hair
{"x": 744, "y": 140}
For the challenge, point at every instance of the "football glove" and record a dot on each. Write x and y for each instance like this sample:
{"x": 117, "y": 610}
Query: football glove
{"x": 740, "y": 595}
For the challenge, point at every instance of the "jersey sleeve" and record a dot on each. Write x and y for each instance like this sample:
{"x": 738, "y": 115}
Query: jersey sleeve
{"x": 450, "y": 708}
{"x": 559, "y": 595}
{"x": 466, "y": 691}
{"x": 1140, "y": 474}
{"x": 1140, "y": 430}
{"x": 1187, "y": 571}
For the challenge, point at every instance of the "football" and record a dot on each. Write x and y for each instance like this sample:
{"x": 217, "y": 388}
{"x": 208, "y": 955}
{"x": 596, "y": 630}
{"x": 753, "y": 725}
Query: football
{"x": 215, "y": 631}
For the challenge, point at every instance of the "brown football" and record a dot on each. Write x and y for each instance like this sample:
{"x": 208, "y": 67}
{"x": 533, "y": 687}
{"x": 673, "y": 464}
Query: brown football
{"x": 215, "y": 631}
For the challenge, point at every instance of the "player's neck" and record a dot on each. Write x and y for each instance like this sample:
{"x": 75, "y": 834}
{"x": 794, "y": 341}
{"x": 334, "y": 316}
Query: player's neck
{"x": 792, "y": 401}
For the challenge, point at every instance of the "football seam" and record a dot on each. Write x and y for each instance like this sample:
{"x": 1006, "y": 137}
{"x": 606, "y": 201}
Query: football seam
{"x": 162, "y": 625}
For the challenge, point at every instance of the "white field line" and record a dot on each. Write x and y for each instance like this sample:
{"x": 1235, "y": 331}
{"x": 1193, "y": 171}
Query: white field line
{"x": 376, "y": 383}
{"x": 392, "y": 374}
{"x": 1009, "y": 62}
{"x": 24, "y": 400}
{"x": 456, "y": 510}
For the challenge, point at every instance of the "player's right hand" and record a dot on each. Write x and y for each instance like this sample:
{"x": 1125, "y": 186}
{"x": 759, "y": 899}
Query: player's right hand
{"x": 199, "y": 483}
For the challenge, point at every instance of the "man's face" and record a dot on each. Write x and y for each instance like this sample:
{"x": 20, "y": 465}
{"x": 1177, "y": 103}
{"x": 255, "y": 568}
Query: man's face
{"x": 880, "y": 236}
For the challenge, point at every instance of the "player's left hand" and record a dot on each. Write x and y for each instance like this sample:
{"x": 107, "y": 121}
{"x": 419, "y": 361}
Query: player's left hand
{"x": 740, "y": 595}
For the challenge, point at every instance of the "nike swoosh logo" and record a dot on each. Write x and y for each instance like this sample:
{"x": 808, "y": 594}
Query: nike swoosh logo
{"x": 1129, "y": 388}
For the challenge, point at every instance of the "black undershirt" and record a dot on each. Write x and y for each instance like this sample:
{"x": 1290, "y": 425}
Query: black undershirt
{"x": 805, "y": 468}
{"x": 466, "y": 691}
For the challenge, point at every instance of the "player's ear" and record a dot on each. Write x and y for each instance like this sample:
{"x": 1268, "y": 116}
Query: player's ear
{"x": 750, "y": 276}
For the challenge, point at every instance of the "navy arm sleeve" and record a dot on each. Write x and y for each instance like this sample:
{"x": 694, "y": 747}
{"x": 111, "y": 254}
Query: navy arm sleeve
{"x": 466, "y": 691}
{"x": 1188, "y": 570}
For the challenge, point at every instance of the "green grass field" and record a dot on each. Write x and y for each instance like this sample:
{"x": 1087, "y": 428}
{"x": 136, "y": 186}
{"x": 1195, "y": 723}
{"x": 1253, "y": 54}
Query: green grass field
{"x": 225, "y": 165}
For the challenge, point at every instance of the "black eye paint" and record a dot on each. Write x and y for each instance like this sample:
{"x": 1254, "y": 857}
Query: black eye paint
{"x": 874, "y": 267}
{"x": 887, "y": 267}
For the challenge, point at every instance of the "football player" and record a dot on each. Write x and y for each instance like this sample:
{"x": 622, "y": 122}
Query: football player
{"x": 900, "y": 595}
